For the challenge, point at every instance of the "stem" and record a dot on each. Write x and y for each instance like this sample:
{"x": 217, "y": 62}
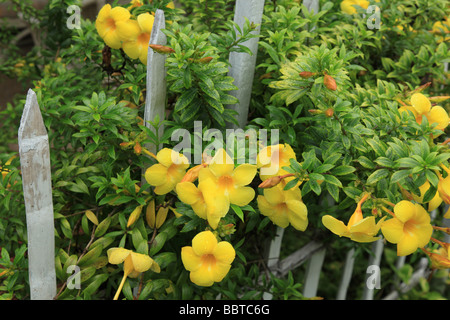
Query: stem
{"x": 125, "y": 275}
{"x": 388, "y": 211}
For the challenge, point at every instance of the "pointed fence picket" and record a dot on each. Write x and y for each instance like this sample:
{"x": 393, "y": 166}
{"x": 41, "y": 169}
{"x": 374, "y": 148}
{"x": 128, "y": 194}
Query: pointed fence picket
{"x": 36, "y": 175}
{"x": 34, "y": 154}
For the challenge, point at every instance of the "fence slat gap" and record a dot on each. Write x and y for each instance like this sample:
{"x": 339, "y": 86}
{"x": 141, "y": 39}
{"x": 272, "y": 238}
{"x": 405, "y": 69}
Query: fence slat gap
{"x": 34, "y": 154}
{"x": 155, "y": 102}
{"x": 242, "y": 67}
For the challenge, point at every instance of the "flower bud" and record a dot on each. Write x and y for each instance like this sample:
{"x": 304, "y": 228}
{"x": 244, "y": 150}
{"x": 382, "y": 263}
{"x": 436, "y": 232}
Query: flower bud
{"x": 329, "y": 112}
{"x": 150, "y": 214}
{"x": 307, "y": 74}
{"x": 161, "y": 49}
{"x": 134, "y": 216}
{"x": 329, "y": 82}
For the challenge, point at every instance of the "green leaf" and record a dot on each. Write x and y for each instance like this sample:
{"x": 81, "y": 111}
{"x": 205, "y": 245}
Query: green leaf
{"x": 185, "y": 99}
{"x": 377, "y": 176}
{"x": 238, "y": 211}
{"x": 343, "y": 170}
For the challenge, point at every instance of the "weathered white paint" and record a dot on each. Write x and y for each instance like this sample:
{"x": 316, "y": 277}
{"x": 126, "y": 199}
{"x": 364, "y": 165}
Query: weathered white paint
{"x": 36, "y": 178}
{"x": 273, "y": 255}
{"x": 155, "y": 103}
{"x": 242, "y": 65}
{"x": 312, "y": 275}
{"x": 346, "y": 275}
{"x": 375, "y": 260}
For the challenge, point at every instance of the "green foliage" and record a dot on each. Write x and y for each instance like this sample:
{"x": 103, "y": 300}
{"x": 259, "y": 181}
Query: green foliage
{"x": 347, "y": 141}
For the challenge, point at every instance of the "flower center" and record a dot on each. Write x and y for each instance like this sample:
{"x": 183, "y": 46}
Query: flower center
{"x": 111, "y": 24}
{"x": 410, "y": 227}
{"x": 225, "y": 182}
{"x": 143, "y": 39}
{"x": 209, "y": 260}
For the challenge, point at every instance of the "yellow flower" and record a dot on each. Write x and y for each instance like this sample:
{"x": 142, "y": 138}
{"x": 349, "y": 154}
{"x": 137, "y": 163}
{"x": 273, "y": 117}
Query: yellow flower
{"x": 284, "y": 207}
{"x": 440, "y": 258}
{"x": 434, "y": 203}
{"x": 207, "y": 260}
{"x": 108, "y": 23}
{"x": 358, "y": 228}
{"x": 136, "y": 46}
{"x": 134, "y": 215}
{"x": 421, "y": 106}
{"x": 165, "y": 175}
{"x": 134, "y": 4}
{"x": 442, "y": 29}
{"x": 134, "y": 264}
{"x": 272, "y": 159}
{"x": 410, "y": 227}
{"x": 222, "y": 184}
{"x": 444, "y": 189}
{"x": 348, "y": 5}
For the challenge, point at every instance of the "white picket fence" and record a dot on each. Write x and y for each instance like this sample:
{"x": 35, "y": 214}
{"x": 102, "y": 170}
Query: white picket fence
{"x": 36, "y": 174}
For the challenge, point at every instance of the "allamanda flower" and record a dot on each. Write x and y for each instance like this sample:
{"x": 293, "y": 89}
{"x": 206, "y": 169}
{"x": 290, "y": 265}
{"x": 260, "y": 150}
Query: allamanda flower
{"x": 409, "y": 228}
{"x": 421, "y": 106}
{"x": 113, "y": 25}
{"x": 133, "y": 264}
{"x": 203, "y": 202}
{"x": 358, "y": 228}
{"x": 165, "y": 175}
{"x": 284, "y": 207}
{"x": 272, "y": 159}
{"x": 444, "y": 189}
{"x": 434, "y": 203}
{"x": 136, "y": 47}
{"x": 227, "y": 184}
{"x": 207, "y": 259}
{"x": 348, "y": 5}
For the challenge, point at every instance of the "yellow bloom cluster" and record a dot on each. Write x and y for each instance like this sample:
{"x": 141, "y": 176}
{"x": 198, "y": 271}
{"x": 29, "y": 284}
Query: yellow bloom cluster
{"x": 120, "y": 30}
{"x": 348, "y": 6}
{"x": 212, "y": 187}
{"x": 421, "y": 107}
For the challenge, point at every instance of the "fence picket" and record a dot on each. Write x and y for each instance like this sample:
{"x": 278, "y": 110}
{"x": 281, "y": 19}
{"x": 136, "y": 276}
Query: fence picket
{"x": 346, "y": 275}
{"x": 155, "y": 102}
{"x": 37, "y": 189}
{"x": 375, "y": 260}
{"x": 242, "y": 67}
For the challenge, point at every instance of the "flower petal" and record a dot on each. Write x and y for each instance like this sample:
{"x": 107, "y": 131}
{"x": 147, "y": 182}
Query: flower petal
{"x": 120, "y": 14}
{"x": 221, "y": 164}
{"x": 334, "y": 225}
{"x": 297, "y": 214}
{"x": 241, "y": 196}
{"x": 190, "y": 259}
{"x": 204, "y": 243}
{"x": 438, "y": 115}
{"x": 392, "y": 230}
{"x": 127, "y": 30}
{"x": 224, "y": 252}
{"x": 404, "y": 210}
{"x": 420, "y": 103}
{"x": 156, "y": 175}
{"x": 188, "y": 193}
{"x": 244, "y": 174}
{"x": 407, "y": 245}
{"x": 141, "y": 262}
{"x": 146, "y": 21}
{"x": 117, "y": 255}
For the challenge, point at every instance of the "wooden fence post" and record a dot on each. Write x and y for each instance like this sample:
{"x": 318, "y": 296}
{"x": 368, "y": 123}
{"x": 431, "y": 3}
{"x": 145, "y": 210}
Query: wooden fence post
{"x": 36, "y": 178}
{"x": 375, "y": 260}
{"x": 242, "y": 67}
{"x": 155, "y": 102}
